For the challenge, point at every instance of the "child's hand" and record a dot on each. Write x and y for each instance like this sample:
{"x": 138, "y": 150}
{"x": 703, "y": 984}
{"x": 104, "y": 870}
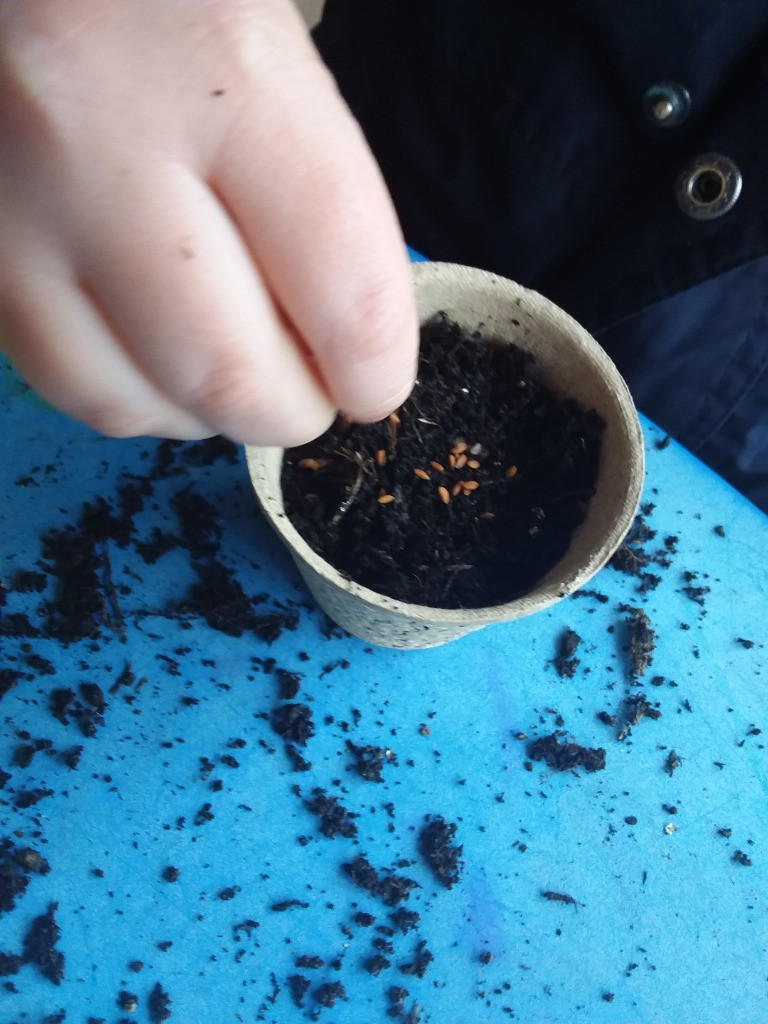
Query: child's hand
{"x": 194, "y": 238}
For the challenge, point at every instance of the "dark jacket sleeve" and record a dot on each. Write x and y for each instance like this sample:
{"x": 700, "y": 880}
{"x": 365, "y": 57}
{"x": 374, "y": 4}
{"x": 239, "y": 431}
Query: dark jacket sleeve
{"x": 518, "y": 135}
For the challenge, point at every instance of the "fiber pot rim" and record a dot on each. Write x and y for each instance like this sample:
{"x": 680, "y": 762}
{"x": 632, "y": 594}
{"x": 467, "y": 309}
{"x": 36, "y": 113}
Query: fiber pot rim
{"x": 556, "y": 583}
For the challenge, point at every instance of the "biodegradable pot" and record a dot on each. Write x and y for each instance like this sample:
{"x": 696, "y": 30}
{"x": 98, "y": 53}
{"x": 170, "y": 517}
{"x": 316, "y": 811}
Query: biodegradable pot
{"x": 573, "y": 365}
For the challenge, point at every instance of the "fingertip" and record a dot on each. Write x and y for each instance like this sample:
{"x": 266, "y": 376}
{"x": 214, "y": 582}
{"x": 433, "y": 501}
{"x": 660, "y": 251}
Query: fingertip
{"x": 373, "y": 412}
{"x": 367, "y": 349}
{"x": 287, "y": 434}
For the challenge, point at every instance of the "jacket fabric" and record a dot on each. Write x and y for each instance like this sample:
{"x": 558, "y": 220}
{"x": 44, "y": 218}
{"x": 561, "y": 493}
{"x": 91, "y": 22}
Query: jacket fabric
{"x": 521, "y": 136}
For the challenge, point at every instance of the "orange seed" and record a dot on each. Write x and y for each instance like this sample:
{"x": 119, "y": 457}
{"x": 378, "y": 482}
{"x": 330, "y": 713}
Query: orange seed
{"x": 469, "y": 485}
{"x": 512, "y": 471}
{"x": 443, "y": 495}
{"x": 436, "y": 465}
{"x": 385, "y": 499}
{"x": 381, "y": 457}
{"x": 421, "y": 474}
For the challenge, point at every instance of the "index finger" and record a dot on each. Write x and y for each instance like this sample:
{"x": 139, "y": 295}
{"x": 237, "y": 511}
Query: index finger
{"x": 322, "y": 228}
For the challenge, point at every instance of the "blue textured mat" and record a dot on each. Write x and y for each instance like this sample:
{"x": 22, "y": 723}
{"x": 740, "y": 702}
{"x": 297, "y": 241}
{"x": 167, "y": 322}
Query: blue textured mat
{"x": 665, "y": 862}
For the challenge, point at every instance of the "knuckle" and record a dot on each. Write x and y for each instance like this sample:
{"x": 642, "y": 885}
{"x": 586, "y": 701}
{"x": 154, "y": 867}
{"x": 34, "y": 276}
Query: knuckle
{"x": 371, "y": 326}
{"x": 32, "y": 102}
{"x": 305, "y": 429}
{"x": 256, "y": 408}
{"x": 113, "y": 420}
{"x": 229, "y": 392}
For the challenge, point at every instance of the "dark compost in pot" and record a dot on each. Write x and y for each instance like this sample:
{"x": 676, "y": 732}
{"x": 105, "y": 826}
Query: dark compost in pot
{"x": 463, "y": 498}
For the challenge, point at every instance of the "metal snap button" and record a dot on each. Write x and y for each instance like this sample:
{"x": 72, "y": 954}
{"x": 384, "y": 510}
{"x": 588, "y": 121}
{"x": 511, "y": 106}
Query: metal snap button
{"x": 708, "y": 187}
{"x": 667, "y": 104}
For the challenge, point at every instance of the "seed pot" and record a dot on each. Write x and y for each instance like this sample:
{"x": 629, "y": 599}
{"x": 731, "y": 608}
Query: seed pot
{"x": 573, "y": 365}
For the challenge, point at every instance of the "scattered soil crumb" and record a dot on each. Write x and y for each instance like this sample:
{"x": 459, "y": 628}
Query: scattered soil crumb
{"x": 218, "y": 598}
{"x": 298, "y": 985}
{"x": 312, "y": 963}
{"x": 293, "y": 722}
{"x": 391, "y": 889}
{"x": 559, "y": 897}
{"x": 636, "y": 708}
{"x": 288, "y": 683}
{"x": 39, "y": 946}
{"x": 739, "y": 857}
{"x": 158, "y": 1004}
{"x": 672, "y": 763}
{"x": 642, "y": 639}
{"x": 376, "y": 964}
{"x": 284, "y": 905}
{"x": 437, "y": 847}
{"x": 10, "y": 963}
{"x": 422, "y": 958}
{"x": 335, "y": 820}
{"x": 328, "y": 994}
{"x": 693, "y": 592}
{"x": 565, "y": 661}
{"x": 369, "y": 760}
{"x": 633, "y": 557}
{"x": 404, "y": 920}
{"x": 564, "y": 756}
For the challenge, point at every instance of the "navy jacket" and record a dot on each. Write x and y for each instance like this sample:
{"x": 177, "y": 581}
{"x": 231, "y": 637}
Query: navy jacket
{"x": 613, "y": 156}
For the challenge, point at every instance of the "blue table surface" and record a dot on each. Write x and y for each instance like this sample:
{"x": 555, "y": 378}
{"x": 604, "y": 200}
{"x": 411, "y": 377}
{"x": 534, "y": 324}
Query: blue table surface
{"x": 668, "y": 871}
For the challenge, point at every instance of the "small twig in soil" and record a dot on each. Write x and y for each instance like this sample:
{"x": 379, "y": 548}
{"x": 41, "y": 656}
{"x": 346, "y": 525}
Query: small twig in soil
{"x": 354, "y": 490}
{"x": 454, "y": 569}
{"x": 421, "y": 418}
{"x": 115, "y": 620}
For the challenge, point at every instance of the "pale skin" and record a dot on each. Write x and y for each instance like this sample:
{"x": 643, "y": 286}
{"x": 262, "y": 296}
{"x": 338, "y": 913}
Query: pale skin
{"x": 194, "y": 237}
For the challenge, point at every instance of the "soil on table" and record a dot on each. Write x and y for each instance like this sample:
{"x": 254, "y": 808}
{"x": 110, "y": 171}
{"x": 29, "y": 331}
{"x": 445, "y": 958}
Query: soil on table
{"x": 463, "y": 498}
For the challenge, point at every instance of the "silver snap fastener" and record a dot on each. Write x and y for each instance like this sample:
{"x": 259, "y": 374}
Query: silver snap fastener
{"x": 708, "y": 187}
{"x": 667, "y": 104}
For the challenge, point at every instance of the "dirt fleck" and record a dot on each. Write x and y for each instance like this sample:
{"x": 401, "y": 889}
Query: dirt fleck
{"x": 39, "y": 946}
{"x": 391, "y": 889}
{"x": 376, "y": 964}
{"x": 559, "y": 897}
{"x": 158, "y": 1004}
{"x": 642, "y": 639}
{"x": 369, "y": 761}
{"x": 298, "y": 985}
{"x": 438, "y": 849}
{"x": 283, "y": 905}
{"x": 329, "y": 993}
{"x": 739, "y": 857}
{"x": 422, "y": 958}
{"x": 293, "y": 722}
{"x": 672, "y": 763}
{"x": 565, "y": 661}
{"x": 335, "y": 820}
{"x": 563, "y": 755}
